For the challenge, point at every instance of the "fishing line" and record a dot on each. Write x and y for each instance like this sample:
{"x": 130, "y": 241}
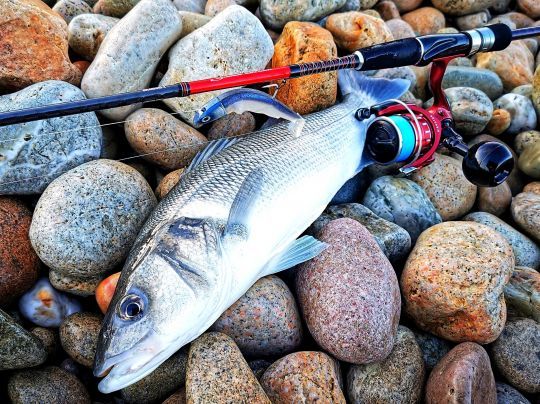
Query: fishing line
{"x": 187, "y": 146}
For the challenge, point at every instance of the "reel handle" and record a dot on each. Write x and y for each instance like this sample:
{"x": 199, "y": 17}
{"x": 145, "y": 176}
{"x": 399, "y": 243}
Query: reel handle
{"x": 486, "y": 164}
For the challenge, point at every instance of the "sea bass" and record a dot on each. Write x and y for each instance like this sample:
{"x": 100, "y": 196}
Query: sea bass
{"x": 233, "y": 218}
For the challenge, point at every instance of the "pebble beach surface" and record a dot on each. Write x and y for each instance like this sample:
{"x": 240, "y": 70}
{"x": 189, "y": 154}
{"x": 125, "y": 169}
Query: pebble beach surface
{"x": 429, "y": 290}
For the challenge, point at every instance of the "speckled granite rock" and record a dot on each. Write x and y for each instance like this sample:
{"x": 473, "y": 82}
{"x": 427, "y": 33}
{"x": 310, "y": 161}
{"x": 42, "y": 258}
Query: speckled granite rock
{"x": 446, "y": 186}
{"x": 402, "y": 202}
{"x": 472, "y": 109}
{"x": 18, "y": 348}
{"x": 494, "y": 200}
{"x": 393, "y": 240}
{"x": 433, "y": 348}
{"x": 522, "y": 293}
{"x": 177, "y": 398}
{"x": 354, "y": 30}
{"x": 33, "y": 46}
{"x": 218, "y": 373}
{"x": 159, "y": 384}
{"x": 252, "y": 53}
{"x": 482, "y": 79}
{"x": 68, "y": 231}
{"x": 232, "y": 125}
{"x": 276, "y": 13}
{"x": 86, "y": 32}
{"x": 508, "y": 395}
{"x": 516, "y": 354}
{"x": 130, "y": 53}
{"x": 464, "y": 375}
{"x": 259, "y": 366}
{"x": 79, "y": 336}
{"x": 302, "y": 42}
{"x": 168, "y": 182}
{"x": 265, "y": 321}
{"x": 50, "y": 340}
{"x": 525, "y": 210}
{"x": 73, "y": 284}
{"x": 526, "y": 252}
{"x": 304, "y": 377}
{"x": 459, "y": 300}
{"x": 36, "y": 153}
{"x": 69, "y": 9}
{"x": 349, "y": 295}
{"x": 48, "y": 385}
{"x": 526, "y": 139}
{"x": 19, "y": 264}
{"x": 521, "y": 110}
{"x": 397, "y": 379}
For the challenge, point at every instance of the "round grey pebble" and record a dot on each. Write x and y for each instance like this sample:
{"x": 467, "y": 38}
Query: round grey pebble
{"x": 482, "y": 79}
{"x": 522, "y": 111}
{"x": 86, "y": 32}
{"x": 276, "y": 13}
{"x": 79, "y": 336}
{"x": 69, "y": 9}
{"x": 86, "y": 221}
{"x": 508, "y": 395}
{"x": 433, "y": 348}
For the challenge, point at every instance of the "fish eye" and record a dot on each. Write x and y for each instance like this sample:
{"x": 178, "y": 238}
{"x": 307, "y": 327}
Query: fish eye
{"x": 131, "y": 307}
{"x": 206, "y": 119}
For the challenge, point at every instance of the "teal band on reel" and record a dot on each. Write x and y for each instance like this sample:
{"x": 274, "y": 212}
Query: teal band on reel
{"x": 408, "y": 137}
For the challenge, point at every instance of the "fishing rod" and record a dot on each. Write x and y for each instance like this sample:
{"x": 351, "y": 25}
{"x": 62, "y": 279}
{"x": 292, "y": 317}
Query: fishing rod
{"x": 400, "y": 133}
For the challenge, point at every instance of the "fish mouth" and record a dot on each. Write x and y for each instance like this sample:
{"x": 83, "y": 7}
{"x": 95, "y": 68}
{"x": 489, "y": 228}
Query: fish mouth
{"x": 134, "y": 364}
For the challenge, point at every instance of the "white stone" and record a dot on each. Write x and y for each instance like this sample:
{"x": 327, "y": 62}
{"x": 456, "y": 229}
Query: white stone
{"x": 277, "y": 13}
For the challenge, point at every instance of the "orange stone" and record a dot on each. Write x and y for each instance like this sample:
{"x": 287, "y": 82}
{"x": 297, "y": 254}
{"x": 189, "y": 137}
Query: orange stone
{"x": 33, "y": 45}
{"x": 425, "y": 20}
{"x": 303, "y": 42}
{"x": 105, "y": 291}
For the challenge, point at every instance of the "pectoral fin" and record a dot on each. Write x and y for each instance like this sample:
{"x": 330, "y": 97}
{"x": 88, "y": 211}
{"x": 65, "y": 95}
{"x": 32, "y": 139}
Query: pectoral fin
{"x": 300, "y": 250}
{"x": 212, "y": 149}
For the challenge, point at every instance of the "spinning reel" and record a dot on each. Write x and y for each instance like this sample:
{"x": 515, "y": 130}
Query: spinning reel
{"x": 405, "y": 133}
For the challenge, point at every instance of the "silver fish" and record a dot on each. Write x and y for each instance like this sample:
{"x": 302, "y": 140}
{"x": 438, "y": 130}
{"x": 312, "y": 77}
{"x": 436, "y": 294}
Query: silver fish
{"x": 233, "y": 218}
{"x": 241, "y": 100}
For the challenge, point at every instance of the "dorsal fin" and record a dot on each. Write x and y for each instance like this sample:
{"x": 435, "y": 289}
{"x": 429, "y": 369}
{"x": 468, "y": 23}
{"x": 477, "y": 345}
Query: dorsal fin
{"x": 213, "y": 148}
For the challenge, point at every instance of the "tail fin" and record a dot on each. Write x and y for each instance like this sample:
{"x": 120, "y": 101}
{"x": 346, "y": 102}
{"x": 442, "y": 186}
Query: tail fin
{"x": 371, "y": 90}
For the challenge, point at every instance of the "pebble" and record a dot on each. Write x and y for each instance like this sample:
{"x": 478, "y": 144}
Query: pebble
{"x": 74, "y": 285}
{"x": 400, "y": 29}
{"x": 525, "y": 89}
{"x": 86, "y": 221}
{"x": 192, "y": 21}
{"x": 529, "y": 161}
{"x": 508, "y": 395}
{"x": 36, "y": 154}
{"x": 69, "y": 9}
{"x": 214, "y": 7}
{"x": 354, "y": 30}
{"x": 464, "y": 375}
{"x": 388, "y": 10}
{"x": 471, "y": 108}
{"x": 526, "y": 252}
{"x": 252, "y": 53}
{"x": 79, "y": 336}
{"x": 500, "y": 121}
{"x": 403, "y": 202}
{"x": 303, "y": 42}
{"x": 463, "y": 7}
{"x": 47, "y": 385}
{"x": 149, "y": 131}
{"x": 168, "y": 182}
{"x": 114, "y": 8}
{"x": 522, "y": 111}
{"x": 404, "y": 72}
{"x": 425, "y": 20}
{"x": 129, "y": 54}
{"x": 352, "y": 190}
{"x": 232, "y": 125}
{"x": 218, "y": 373}
{"x": 350, "y": 284}
{"x": 357, "y": 5}
{"x": 276, "y": 13}
{"x": 536, "y": 87}
{"x": 398, "y": 378}
{"x": 459, "y": 300}
{"x": 50, "y": 340}
{"x": 393, "y": 240}
{"x": 446, "y": 186}
{"x": 526, "y": 139}
{"x": 513, "y": 65}
{"x": 530, "y": 8}
{"x": 533, "y": 187}
{"x": 519, "y": 19}
{"x": 259, "y": 366}
{"x": 195, "y": 6}
{"x": 264, "y": 321}
{"x": 86, "y": 32}
{"x": 105, "y": 291}
{"x": 522, "y": 293}
{"x": 482, "y": 79}
{"x": 472, "y": 21}
{"x": 494, "y": 200}
{"x": 516, "y": 354}
{"x": 525, "y": 210}
{"x": 304, "y": 377}
{"x": 162, "y": 382}
{"x": 18, "y": 348}
{"x": 433, "y": 348}
{"x": 19, "y": 264}
{"x": 34, "y": 47}
{"x": 177, "y": 398}
{"x": 500, "y": 6}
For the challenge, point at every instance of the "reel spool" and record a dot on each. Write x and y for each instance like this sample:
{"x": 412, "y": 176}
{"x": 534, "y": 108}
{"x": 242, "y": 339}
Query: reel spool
{"x": 407, "y": 134}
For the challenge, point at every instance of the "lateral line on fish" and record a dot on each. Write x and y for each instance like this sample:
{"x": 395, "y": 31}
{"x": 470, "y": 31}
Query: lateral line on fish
{"x": 190, "y": 145}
